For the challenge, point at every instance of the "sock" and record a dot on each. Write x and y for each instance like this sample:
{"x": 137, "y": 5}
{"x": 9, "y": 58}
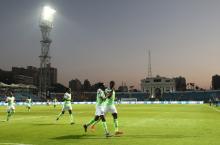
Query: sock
{"x": 91, "y": 122}
{"x": 8, "y": 115}
{"x": 116, "y": 124}
{"x": 60, "y": 115}
{"x": 95, "y": 122}
{"x": 105, "y": 127}
{"x": 71, "y": 118}
{"x": 12, "y": 113}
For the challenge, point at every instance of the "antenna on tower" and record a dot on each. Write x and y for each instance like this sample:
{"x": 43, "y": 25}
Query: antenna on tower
{"x": 149, "y": 65}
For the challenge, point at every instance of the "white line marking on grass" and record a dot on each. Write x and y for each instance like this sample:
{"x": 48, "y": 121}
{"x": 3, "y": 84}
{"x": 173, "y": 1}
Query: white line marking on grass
{"x": 15, "y": 144}
{"x": 214, "y": 108}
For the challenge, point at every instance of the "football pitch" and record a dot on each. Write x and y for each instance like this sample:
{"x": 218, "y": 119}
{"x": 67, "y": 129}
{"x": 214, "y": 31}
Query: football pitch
{"x": 141, "y": 124}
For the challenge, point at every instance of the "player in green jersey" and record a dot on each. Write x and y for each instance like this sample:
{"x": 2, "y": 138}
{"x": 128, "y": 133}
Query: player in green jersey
{"x": 110, "y": 107}
{"x": 99, "y": 114}
{"x": 11, "y": 105}
{"x": 67, "y": 106}
{"x": 28, "y": 104}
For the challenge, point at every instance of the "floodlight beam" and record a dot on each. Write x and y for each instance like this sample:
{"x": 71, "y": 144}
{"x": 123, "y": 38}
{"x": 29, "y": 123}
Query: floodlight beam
{"x": 47, "y": 15}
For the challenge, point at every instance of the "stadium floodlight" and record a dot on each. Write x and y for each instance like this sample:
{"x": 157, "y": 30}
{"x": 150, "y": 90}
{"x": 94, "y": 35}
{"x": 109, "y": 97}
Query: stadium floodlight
{"x": 46, "y": 25}
{"x": 47, "y": 15}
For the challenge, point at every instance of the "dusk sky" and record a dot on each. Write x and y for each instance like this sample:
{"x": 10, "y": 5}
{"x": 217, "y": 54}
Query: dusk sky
{"x": 103, "y": 40}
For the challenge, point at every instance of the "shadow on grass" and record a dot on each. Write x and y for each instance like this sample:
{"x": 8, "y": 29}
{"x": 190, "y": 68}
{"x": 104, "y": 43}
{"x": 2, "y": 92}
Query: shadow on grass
{"x": 82, "y": 136}
{"x": 86, "y": 136}
{"x": 46, "y": 124}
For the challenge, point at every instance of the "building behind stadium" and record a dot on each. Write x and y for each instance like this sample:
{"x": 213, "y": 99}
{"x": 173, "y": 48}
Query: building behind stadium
{"x": 156, "y": 86}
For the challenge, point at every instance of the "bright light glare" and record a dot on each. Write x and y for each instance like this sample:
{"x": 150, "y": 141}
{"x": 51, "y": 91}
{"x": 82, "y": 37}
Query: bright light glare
{"x": 47, "y": 14}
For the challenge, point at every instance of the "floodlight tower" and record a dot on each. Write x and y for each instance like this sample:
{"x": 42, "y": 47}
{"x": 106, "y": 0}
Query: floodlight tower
{"x": 46, "y": 25}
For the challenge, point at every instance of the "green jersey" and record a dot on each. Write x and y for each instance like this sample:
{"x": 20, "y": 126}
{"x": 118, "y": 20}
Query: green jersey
{"x": 100, "y": 97}
{"x": 67, "y": 99}
{"x": 11, "y": 101}
{"x": 55, "y": 100}
{"x": 110, "y": 100}
{"x": 28, "y": 101}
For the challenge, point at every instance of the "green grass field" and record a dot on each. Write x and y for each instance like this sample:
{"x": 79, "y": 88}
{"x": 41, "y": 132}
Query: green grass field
{"x": 141, "y": 124}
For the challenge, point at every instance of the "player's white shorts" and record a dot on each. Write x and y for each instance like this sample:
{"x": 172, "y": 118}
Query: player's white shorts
{"x": 10, "y": 108}
{"x": 28, "y": 105}
{"x": 67, "y": 107}
{"x": 111, "y": 109}
{"x": 99, "y": 110}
